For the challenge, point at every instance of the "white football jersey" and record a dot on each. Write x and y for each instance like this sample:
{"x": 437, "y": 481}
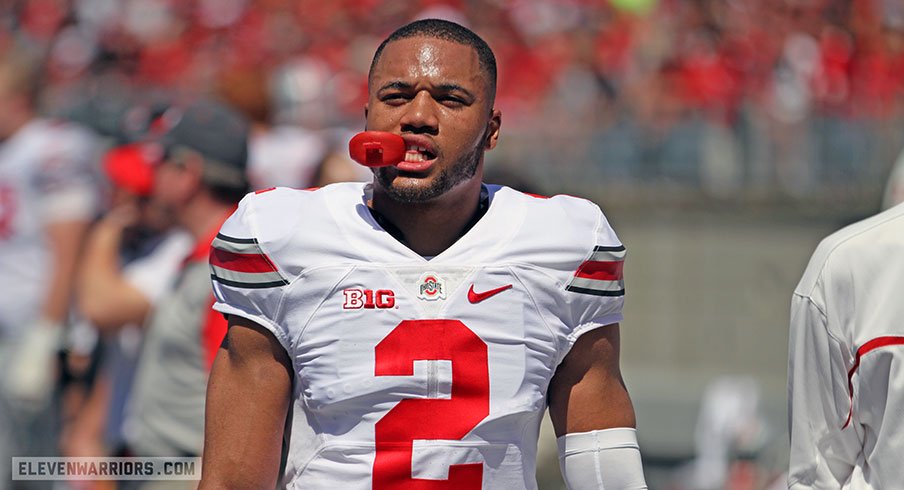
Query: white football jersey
{"x": 47, "y": 174}
{"x": 409, "y": 372}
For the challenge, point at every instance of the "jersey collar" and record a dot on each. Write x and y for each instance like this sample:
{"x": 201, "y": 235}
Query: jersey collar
{"x": 482, "y": 206}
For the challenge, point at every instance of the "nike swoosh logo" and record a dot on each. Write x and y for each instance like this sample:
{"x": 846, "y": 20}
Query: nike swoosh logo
{"x": 475, "y": 297}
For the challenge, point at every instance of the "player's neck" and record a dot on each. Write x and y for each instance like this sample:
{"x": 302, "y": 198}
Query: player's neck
{"x": 430, "y": 228}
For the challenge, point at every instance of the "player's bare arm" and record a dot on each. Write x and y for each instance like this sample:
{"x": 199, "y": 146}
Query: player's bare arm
{"x": 247, "y": 402}
{"x": 587, "y": 392}
{"x": 32, "y": 373}
{"x": 593, "y": 416}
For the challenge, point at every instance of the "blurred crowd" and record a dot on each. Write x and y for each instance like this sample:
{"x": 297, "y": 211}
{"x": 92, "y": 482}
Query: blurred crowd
{"x": 99, "y": 215}
{"x": 106, "y": 329}
{"x": 774, "y": 97}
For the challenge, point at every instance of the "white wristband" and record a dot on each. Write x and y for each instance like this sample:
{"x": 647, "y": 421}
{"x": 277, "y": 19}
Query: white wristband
{"x": 601, "y": 459}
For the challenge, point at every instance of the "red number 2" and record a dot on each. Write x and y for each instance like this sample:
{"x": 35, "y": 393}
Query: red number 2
{"x": 431, "y": 418}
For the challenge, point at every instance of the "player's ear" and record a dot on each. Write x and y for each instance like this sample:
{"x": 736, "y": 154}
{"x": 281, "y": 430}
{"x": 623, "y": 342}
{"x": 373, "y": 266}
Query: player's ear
{"x": 493, "y": 126}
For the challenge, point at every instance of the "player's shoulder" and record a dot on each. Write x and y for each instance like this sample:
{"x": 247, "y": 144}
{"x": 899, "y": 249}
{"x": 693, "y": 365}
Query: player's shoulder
{"x": 560, "y": 209}
{"x": 282, "y": 220}
{"x": 276, "y": 199}
{"x": 560, "y": 230}
{"x": 280, "y": 209}
{"x": 883, "y": 229}
{"x": 881, "y": 233}
{"x": 570, "y": 241}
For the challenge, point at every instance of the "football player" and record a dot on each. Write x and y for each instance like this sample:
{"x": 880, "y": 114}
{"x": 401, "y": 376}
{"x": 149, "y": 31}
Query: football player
{"x": 411, "y": 332}
{"x": 845, "y": 382}
{"x": 48, "y": 197}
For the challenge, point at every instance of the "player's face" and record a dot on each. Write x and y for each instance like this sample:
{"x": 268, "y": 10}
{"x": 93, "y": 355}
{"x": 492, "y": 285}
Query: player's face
{"x": 434, "y": 94}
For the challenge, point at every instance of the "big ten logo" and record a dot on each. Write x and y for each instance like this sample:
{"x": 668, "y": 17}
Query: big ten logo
{"x": 355, "y": 299}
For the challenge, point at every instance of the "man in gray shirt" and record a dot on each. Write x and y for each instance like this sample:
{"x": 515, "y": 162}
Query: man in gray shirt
{"x": 199, "y": 181}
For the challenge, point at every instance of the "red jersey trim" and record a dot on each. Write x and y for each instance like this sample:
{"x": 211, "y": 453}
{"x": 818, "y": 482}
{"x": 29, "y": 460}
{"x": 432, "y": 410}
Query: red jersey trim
{"x": 864, "y": 349}
{"x": 239, "y": 262}
{"x": 601, "y": 271}
{"x": 212, "y": 333}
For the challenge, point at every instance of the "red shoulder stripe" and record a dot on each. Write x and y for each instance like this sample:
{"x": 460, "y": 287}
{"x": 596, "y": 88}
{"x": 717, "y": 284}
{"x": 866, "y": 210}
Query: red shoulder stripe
{"x": 864, "y": 349}
{"x": 241, "y": 262}
{"x": 601, "y": 271}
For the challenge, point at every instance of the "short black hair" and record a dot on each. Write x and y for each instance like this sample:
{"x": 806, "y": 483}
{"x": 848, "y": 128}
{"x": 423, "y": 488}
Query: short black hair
{"x": 447, "y": 31}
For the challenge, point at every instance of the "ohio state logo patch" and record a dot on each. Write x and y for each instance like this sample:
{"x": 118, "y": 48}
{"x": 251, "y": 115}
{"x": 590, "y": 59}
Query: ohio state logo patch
{"x": 431, "y": 287}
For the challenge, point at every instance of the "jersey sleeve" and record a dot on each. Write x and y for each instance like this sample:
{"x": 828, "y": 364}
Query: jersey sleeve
{"x": 824, "y": 445}
{"x": 595, "y": 289}
{"x": 247, "y": 280}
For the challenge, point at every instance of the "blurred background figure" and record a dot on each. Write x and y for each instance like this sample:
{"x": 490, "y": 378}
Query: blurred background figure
{"x": 48, "y": 196}
{"x": 130, "y": 261}
{"x": 291, "y": 143}
{"x": 730, "y": 430}
{"x": 844, "y": 370}
{"x": 723, "y": 138}
{"x": 199, "y": 180}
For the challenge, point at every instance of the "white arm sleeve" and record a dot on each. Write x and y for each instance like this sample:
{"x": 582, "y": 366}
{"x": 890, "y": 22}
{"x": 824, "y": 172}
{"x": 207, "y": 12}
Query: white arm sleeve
{"x": 601, "y": 459}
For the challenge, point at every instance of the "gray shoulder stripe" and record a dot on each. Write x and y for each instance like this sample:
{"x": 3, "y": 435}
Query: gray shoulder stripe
{"x": 249, "y": 285}
{"x": 596, "y": 284}
{"x": 615, "y": 255}
{"x": 230, "y": 239}
{"x": 234, "y": 247}
{"x": 595, "y": 292}
{"x": 247, "y": 277}
{"x": 619, "y": 248}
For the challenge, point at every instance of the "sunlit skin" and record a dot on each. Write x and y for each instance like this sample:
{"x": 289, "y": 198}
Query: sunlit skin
{"x": 434, "y": 94}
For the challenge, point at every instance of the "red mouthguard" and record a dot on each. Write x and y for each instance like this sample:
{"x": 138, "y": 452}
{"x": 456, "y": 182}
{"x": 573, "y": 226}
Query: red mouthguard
{"x": 377, "y": 148}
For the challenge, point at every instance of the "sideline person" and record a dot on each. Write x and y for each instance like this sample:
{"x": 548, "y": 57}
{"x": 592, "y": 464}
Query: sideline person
{"x": 845, "y": 378}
